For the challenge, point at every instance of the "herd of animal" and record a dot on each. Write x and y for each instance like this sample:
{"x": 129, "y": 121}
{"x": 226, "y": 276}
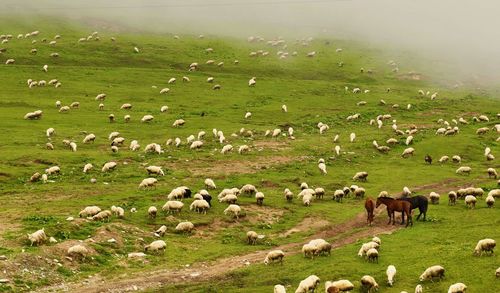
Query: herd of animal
{"x": 202, "y": 200}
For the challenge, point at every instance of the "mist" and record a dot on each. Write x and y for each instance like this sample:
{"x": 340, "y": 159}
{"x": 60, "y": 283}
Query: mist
{"x": 458, "y": 33}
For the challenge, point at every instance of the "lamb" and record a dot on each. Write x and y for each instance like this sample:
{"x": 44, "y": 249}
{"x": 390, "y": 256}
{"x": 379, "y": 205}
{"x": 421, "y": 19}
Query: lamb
{"x": 309, "y": 284}
{"x": 87, "y": 167}
{"x": 274, "y": 256}
{"x": 288, "y": 194}
{"x": 152, "y": 211}
{"x": 178, "y": 122}
{"x": 484, "y": 245}
{"x": 89, "y": 211}
{"x": 259, "y": 196}
{"x": 155, "y": 170}
{"x": 470, "y": 201}
{"x": 369, "y": 283}
{"x": 279, "y": 289}
{"x": 372, "y": 255}
{"x": 408, "y": 152}
{"x": 89, "y": 138}
{"x": 184, "y": 227}
{"x": 37, "y": 237}
{"x": 252, "y": 237}
{"x": 457, "y": 288}
{"x": 360, "y": 176}
{"x": 109, "y": 166}
{"x": 390, "y": 272}
{"x": 147, "y": 118}
{"x": 233, "y": 209}
{"x": 464, "y": 170}
{"x": 172, "y": 206}
{"x": 492, "y": 173}
{"x": 434, "y": 197}
{"x": 200, "y": 206}
{"x": 53, "y": 170}
{"x": 436, "y": 271}
{"x": 78, "y": 251}
{"x": 156, "y": 246}
{"x": 338, "y": 286}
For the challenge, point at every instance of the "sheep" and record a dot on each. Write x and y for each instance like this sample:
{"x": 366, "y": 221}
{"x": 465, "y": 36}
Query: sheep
{"x": 243, "y": 149}
{"x": 444, "y": 159}
{"x": 322, "y": 166}
{"x": 229, "y": 198}
{"x": 259, "y": 196}
{"x": 484, "y": 245}
{"x": 126, "y": 106}
{"x": 89, "y": 138}
{"x": 10, "y": 61}
{"x": 179, "y": 193}
{"x": 156, "y": 246}
{"x": 360, "y": 176}
{"x": 367, "y": 246}
{"x": 338, "y": 195}
{"x": 160, "y": 232}
{"x": 109, "y": 166}
{"x": 72, "y": 146}
{"x": 118, "y": 211}
{"x": 78, "y": 251}
{"x": 464, "y": 170}
{"x": 470, "y": 201}
{"x": 226, "y": 149}
{"x": 233, "y": 209}
{"x": 152, "y": 211}
{"x": 102, "y": 215}
{"x": 279, "y": 289}
{"x": 87, "y": 167}
{"x": 53, "y": 170}
{"x": 309, "y": 284}
{"x": 406, "y": 192}
{"x": 155, "y": 170}
{"x": 372, "y": 255}
{"x": 248, "y": 189}
{"x": 497, "y": 273}
{"x": 147, "y": 118}
{"x": 390, "y": 272}
{"x": 33, "y": 115}
{"x": 322, "y": 246}
{"x": 303, "y": 186}
{"x": 196, "y": 144}
{"x": 490, "y": 201}
{"x": 409, "y": 140}
{"x": 276, "y": 132}
{"x": 436, "y": 271}
{"x": 452, "y": 198}
{"x": 153, "y": 148}
{"x": 457, "y": 288}
{"x": 434, "y": 197}
{"x": 492, "y": 173}
{"x": 35, "y": 177}
{"x": 338, "y": 286}
{"x": 284, "y": 108}
{"x": 319, "y": 192}
{"x": 178, "y": 122}
{"x": 494, "y": 193}
{"x": 172, "y": 206}
{"x": 134, "y": 145}
{"x": 274, "y": 256}
{"x": 288, "y": 194}
{"x": 200, "y": 206}
{"x": 408, "y": 152}
{"x": 184, "y": 227}
{"x": 456, "y": 159}
{"x": 248, "y": 115}
{"x": 252, "y": 237}
{"x": 369, "y": 283}
{"x": 37, "y": 237}
{"x": 307, "y": 199}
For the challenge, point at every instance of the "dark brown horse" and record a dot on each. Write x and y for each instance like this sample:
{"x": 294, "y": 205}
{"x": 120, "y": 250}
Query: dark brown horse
{"x": 370, "y": 210}
{"x": 396, "y": 206}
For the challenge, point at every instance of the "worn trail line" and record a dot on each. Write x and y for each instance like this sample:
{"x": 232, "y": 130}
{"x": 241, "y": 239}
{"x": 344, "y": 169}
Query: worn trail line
{"x": 200, "y": 272}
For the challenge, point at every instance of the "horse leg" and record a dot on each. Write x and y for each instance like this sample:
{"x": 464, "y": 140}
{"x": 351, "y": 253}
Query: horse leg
{"x": 393, "y": 217}
{"x": 402, "y": 217}
{"x": 389, "y": 215}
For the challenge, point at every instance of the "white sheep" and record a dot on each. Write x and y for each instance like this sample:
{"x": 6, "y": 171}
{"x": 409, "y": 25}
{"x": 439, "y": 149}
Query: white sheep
{"x": 372, "y": 255}
{"x": 199, "y": 206}
{"x": 163, "y": 109}
{"x": 360, "y": 176}
{"x": 87, "y": 167}
{"x": 457, "y": 288}
{"x": 196, "y": 144}
{"x": 339, "y": 286}
{"x": 284, "y": 108}
{"x": 276, "y": 132}
{"x": 408, "y": 152}
{"x": 102, "y": 215}
{"x": 118, "y": 211}
{"x": 390, "y": 272}
{"x": 259, "y": 196}
{"x": 184, "y": 227}
{"x": 89, "y": 211}
{"x": 89, "y": 138}
{"x": 155, "y": 170}
{"x": 490, "y": 201}
{"x": 172, "y": 206}
{"x": 274, "y": 256}
{"x": 153, "y": 148}
{"x": 109, "y": 166}
{"x": 485, "y": 245}
{"x": 309, "y": 284}
{"x": 210, "y": 184}
{"x": 233, "y": 209}
{"x": 53, "y": 170}
{"x": 160, "y": 232}
{"x": 434, "y": 197}
{"x": 147, "y": 118}
{"x": 444, "y": 159}
{"x": 226, "y": 149}
{"x": 492, "y": 173}
{"x": 436, "y": 271}
{"x": 470, "y": 201}
{"x": 78, "y": 251}
{"x": 152, "y": 211}
{"x": 369, "y": 283}
{"x": 148, "y": 183}
{"x": 322, "y": 166}
{"x": 155, "y": 246}
{"x": 494, "y": 193}
{"x": 279, "y": 289}
{"x": 464, "y": 170}
{"x": 37, "y": 237}
{"x": 419, "y": 289}
{"x": 352, "y": 137}
{"x": 178, "y": 122}
{"x": 243, "y": 149}
{"x": 248, "y": 115}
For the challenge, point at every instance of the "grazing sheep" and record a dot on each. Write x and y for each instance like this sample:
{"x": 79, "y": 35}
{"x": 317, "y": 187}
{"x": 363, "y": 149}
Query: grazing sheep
{"x": 274, "y": 256}
{"x": 102, "y": 215}
{"x": 367, "y": 246}
{"x": 492, "y": 173}
{"x": 233, "y": 209}
{"x": 33, "y": 115}
{"x": 89, "y": 138}
{"x": 390, "y": 272}
{"x": 200, "y": 206}
{"x": 452, "y": 198}
{"x": 184, "y": 227}
{"x": 178, "y": 122}
{"x": 284, "y": 108}
{"x": 372, "y": 255}
{"x": 252, "y": 237}
{"x": 259, "y": 196}
{"x": 35, "y": 177}
{"x": 338, "y": 286}
{"x": 464, "y": 170}
{"x": 352, "y": 137}
{"x": 369, "y": 283}
{"x": 161, "y": 231}
{"x": 457, "y": 288}
{"x": 497, "y": 273}
{"x": 360, "y": 176}
{"x": 322, "y": 166}
{"x": 210, "y": 184}
{"x": 126, "y": 106}
{"x": 153, "y": 148}
{"x": 243, "y": 149}
{"x": 196, "y": 144}
{"x": 89, "y": 211}
{"x": 494, "y": 192}
{"x": 309, "y": 284}
{"x": 248, "y": 189}
{"x": 484, "y": 245}
{"x": 147, "y": 118}
{"x": 152, "y": 211}
{"x": 434, "y": 197}
{"x": 276, "y": 132}
{"x": 118, "y": 211}
{"x": 319, "y": 192}
{"x": 109, "y": 166}
{"x": 490, "y": 201}
{"x": 37, "y": 237}
{"x": 279, "y": 289}
{"x": 408, "y": 152}
{"x": 470, "y": 201}
{"x": 288, "y": 194}
{"x": 87, "y": 167}
{"x": 456, "y": 159}
{"x": 338, "y": 195}
{"x": 444, "y": 159}
{"x": 156, "y": 246}
{"x": 53, "y": 170}
{"x": 307, "y": 199}
{"x": 432, "y": 272}
{"x": 78, "y": 251}
{"x": 155, "y": 170}
{"x": 226, "y": 149}
{"x": 172, "y": 206}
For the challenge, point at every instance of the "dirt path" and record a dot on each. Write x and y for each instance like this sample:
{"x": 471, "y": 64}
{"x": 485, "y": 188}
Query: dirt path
{"x": 352, "y": 230}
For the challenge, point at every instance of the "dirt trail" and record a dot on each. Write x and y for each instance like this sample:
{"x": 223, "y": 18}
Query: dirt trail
{"x": 351, "y": 231}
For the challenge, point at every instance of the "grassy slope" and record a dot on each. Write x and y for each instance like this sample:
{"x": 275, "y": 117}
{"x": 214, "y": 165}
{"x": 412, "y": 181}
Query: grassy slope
{"x": 313, "y": 91}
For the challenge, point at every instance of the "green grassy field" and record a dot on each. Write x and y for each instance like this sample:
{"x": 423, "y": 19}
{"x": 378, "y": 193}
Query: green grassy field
{"x": 312, "y": 89}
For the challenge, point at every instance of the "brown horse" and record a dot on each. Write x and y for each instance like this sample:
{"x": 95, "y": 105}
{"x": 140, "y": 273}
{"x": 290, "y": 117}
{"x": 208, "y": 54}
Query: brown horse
{"x": 370, "y": 210}
{"x": 396, "y": 206}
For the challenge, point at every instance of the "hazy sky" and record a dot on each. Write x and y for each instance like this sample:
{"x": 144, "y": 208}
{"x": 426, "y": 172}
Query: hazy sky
{"x": 464, "y": 32}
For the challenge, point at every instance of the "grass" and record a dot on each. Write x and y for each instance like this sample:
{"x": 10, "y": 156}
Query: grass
{"x": 313, "y": 90}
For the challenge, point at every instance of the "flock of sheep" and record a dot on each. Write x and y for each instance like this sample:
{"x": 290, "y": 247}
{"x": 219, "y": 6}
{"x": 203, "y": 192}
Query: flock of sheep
{"x": 202, "y": 200}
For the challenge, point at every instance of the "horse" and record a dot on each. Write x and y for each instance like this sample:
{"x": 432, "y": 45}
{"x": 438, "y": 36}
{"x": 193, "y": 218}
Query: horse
{"x": 393, "y": 206}
{"x": 418, "y": 201}
{"x": 370, "y": 208}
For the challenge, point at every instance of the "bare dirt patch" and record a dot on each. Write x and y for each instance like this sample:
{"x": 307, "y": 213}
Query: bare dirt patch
{"x": 262, "y": 214}
{"x": 307, "y": 224}
{"x": 271, "y": 144}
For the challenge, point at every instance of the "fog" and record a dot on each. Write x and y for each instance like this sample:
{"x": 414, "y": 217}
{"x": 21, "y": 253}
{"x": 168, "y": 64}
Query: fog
{"x": 462, "y": 33}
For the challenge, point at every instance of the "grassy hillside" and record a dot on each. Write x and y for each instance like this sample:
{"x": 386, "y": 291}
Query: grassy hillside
{"x": 312, "y": 89}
